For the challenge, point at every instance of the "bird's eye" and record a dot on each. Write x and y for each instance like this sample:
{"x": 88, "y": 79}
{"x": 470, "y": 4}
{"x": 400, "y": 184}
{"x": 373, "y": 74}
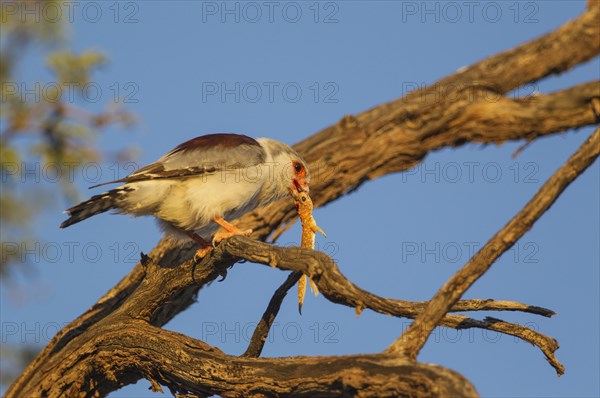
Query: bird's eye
{"x": 304, "y": 198}
{"x": 298, "y": 167}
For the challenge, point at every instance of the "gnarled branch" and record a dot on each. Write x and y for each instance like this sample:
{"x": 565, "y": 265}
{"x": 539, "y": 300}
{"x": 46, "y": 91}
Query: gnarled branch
{"x": 186, "y": 365}
{"x": 337, "y": 289}
{"x": 413, "y": 339}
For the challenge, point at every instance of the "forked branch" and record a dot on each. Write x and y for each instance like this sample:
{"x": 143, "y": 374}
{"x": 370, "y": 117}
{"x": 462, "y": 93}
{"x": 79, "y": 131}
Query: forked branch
{"x": 412, "y": 340}
{"x": 336, "y": 288}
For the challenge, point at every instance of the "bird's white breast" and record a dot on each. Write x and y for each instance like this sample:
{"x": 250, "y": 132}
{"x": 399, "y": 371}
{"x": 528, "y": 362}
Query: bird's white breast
{"x": 192, "y": 203}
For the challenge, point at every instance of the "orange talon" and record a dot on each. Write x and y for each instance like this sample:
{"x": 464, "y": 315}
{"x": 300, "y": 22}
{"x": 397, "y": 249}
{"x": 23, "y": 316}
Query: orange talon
{"x": 205, "y": 247}
{"x": 201, "y": 253}
{"x": 231, "y": 230}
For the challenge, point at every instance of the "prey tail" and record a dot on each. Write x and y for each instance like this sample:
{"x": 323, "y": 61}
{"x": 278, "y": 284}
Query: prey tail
{"x": 95, "y": 205}
{"x": 301, "y": 292}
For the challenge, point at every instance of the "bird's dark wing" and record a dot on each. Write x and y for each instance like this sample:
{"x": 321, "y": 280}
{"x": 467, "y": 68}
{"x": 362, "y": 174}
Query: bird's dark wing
{"x": 201, "y": 155}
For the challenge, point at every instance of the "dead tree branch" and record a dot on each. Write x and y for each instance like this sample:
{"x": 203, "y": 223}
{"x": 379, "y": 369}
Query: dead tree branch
{"x": 414, "y": 338}
{"x": 189, "y": 366}
{"x": 336, "y": 288}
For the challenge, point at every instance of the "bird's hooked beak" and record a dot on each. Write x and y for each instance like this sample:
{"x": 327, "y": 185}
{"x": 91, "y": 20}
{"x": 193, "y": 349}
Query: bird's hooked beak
{"x": 297, "y": 188}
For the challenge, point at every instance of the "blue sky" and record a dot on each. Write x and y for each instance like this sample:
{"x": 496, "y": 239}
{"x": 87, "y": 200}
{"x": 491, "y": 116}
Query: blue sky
{"x": 286, "y": 70}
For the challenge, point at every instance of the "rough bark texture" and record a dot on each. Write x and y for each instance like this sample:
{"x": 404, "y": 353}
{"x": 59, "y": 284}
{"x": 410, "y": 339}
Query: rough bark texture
{"x": 93, "y": 355}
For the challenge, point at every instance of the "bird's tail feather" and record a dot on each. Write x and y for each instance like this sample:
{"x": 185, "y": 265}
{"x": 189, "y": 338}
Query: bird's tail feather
{"x": 95, "y": 205}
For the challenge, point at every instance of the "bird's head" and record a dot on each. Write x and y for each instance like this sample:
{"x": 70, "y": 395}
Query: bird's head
{"x": 291, "y": 173}
{"x": 300, "y": 178}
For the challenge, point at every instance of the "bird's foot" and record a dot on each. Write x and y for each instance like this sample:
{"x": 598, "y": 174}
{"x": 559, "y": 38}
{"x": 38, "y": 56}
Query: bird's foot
{"x": 205, "y": 247}
{"x": 230, "y": 230}
{"x": 222, "y": 235}
{"x": 202, "y": 252}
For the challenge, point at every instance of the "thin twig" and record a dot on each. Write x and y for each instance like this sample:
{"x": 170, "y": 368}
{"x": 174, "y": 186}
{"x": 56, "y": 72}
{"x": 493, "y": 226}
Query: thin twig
{"x": 521, "y": 148}
{"x": 257, "y": 342}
